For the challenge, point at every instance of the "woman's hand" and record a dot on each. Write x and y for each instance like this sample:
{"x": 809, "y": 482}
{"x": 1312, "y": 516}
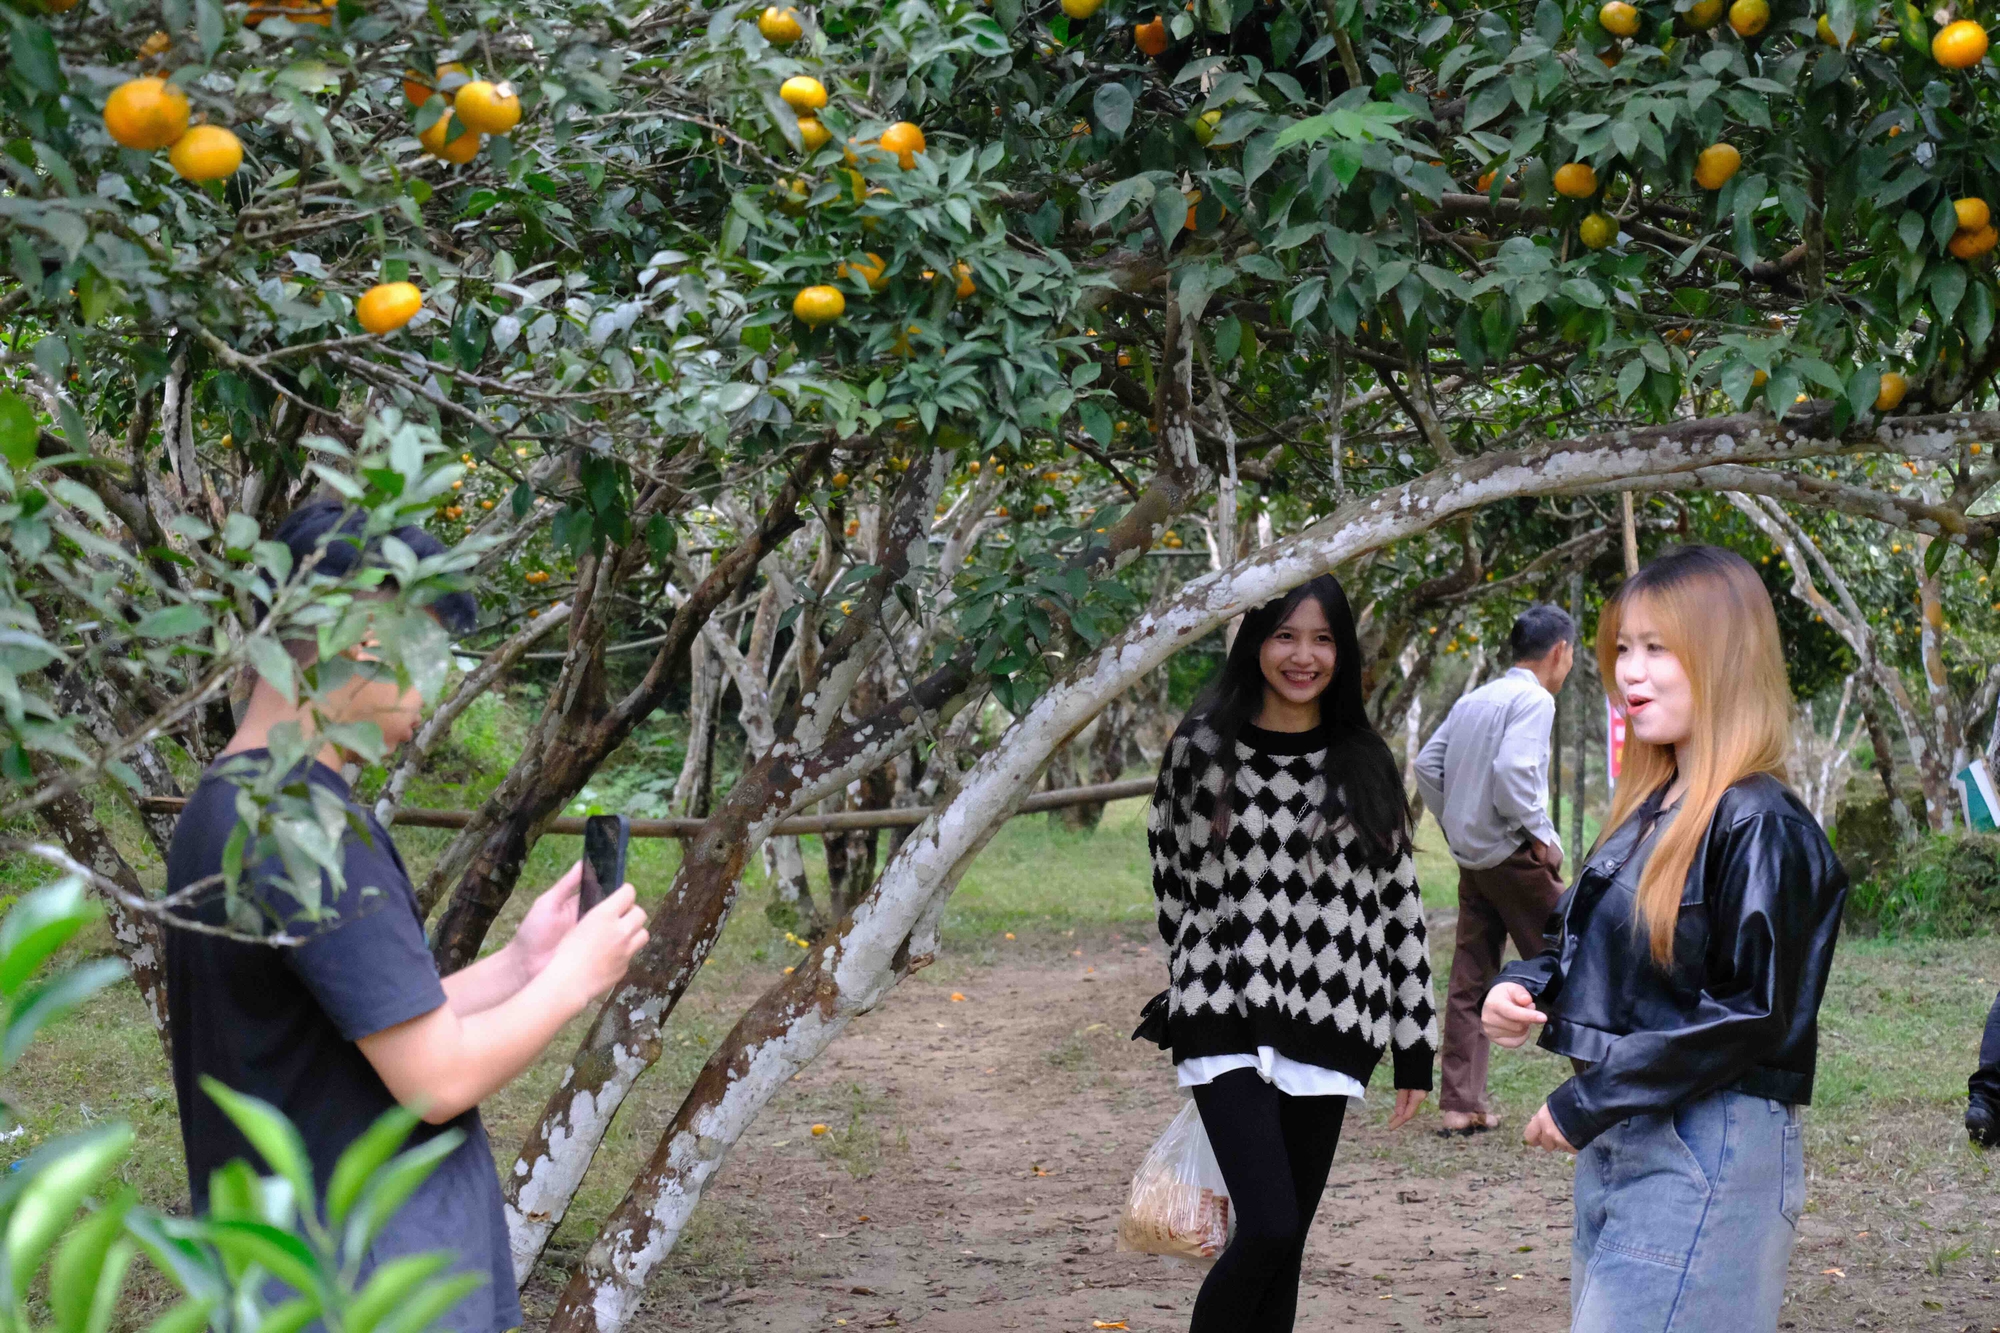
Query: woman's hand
{"x": 1542, "y": 1132}
{"x": 1510, "y": 1014}
{"x": 1408, "y": 1100}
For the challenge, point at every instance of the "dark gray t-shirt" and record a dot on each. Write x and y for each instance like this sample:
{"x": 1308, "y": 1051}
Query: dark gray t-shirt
{"x": 281, "y": 1024}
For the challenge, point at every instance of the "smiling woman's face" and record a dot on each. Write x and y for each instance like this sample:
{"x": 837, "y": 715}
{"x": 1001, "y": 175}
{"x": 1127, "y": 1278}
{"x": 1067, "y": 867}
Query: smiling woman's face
{"x": 1298, "y": 657}
{"x": 1659, "y": 700}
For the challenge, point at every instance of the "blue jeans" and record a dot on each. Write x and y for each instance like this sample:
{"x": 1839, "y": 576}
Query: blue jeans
{"x": 1685, "y": 1221}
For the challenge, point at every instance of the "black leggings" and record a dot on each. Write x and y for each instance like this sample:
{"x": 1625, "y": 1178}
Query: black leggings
{"x": 1275, "y": 1152}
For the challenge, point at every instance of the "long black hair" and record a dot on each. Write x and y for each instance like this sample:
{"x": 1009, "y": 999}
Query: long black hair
{"x": 1363, "y": 783}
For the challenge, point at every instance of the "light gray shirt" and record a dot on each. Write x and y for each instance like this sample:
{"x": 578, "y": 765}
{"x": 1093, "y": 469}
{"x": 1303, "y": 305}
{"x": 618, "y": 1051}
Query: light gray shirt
{"x": 1485, "y": 772}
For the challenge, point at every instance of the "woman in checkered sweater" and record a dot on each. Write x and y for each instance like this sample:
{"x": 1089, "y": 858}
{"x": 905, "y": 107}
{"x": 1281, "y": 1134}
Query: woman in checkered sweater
{"x": 1294, "y": 930}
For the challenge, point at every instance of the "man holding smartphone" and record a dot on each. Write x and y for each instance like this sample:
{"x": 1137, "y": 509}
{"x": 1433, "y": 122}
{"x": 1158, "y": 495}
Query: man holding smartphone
{"x": 355, "y": 1019}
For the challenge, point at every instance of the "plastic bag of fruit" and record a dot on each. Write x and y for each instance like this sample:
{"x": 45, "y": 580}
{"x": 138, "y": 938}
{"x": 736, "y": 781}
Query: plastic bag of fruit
{"x": 1179, "y": 1206}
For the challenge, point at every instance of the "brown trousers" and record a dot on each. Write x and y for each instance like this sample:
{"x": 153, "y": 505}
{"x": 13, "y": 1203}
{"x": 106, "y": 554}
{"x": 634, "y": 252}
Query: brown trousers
{"x": 1512, "y": 899}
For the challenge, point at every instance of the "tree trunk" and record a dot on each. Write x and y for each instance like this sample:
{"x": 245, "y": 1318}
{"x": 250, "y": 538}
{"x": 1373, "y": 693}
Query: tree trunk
{"x": 694, "y": 789}
{"x": 1944, "y": 709}
{"x": 140, "y": 939}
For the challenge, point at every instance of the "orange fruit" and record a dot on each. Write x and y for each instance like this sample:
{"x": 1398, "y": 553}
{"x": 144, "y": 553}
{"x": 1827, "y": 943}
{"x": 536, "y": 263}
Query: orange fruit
{"x": 869, "y": 268}
{"x": 812, "y": 134}
{"x": 1486, "y": 180}
{"x": 155, "y": 44}
{"x": 1151, "y": 36}
{"x": 1598, "y": 230}
{"x": 1204, "y": 126}
{"x": 1704, "y": 14}
{"x": 802, "y": 93}
{"x": 1972, "y": 244}
{"x": 1574, "y": 180}
{"x": 437, "y": 143}
{"x": 487, "y": 108}
{"x": 780, "y": 27}
{"x": 1080, "y": 9}
{"x": 819, "y": 305}
{"x": 905, "y": 141}
{"x": 1749, "y": 17}
{"x": 1959, "y": 45}
{"x": 206, "y": 153}
{"x": 1618, "y": 18}
{"x": 58, "y": 6}
{"x": 1972, "y": 213}
{"x": 1890, "y": 395}
{"x": 965, "y": 283}
{"x": 417, "y": 92}
{"x": 146, "y": 113}
{"x": 319, "y": 14}
{"x": 388, "y": 306}
{"x": 1717, "y": 163}
{"x": 1759, "y": 380}
{"x": 1193, "y": 198}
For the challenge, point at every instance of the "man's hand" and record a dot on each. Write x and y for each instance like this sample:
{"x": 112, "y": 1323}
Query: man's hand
{"x": 551, "y": 918}
{"x": 592, "y": 958}
{"x": 1510, "y": 1014}
{"x": 1542, "y": 1133}
{"x": 1408, "y": 1102}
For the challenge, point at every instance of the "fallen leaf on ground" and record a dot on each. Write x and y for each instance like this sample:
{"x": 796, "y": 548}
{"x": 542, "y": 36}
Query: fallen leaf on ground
{"x": 1107, "y": 1323}
{"x": 1833, "y": 1272}
{"x": 957, "y": 996}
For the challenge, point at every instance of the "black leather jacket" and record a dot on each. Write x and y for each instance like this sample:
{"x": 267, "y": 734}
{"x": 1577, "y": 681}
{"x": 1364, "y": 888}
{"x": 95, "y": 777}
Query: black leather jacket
{"x": 1740, "y": 1008}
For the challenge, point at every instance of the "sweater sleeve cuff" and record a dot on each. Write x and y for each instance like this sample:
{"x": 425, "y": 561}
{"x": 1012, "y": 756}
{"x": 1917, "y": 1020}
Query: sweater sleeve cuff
{"x": 1413, "y": 1068}
{"x": 1566, "y": 1109}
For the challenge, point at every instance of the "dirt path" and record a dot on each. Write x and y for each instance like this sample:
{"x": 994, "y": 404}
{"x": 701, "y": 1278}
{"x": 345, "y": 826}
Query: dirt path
{"x": 978, "y": 1151}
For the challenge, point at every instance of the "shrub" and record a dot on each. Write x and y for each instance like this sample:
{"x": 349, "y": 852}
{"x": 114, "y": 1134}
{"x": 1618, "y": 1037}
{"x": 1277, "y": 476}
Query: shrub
{"x": 1943, "y": 886}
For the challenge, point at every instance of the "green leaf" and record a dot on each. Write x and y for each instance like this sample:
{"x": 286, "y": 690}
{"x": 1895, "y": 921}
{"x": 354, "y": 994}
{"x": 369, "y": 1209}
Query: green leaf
{"x": 36, "y": 927}
{"x": 18, "y": 431}
{"x": 37, "y": 1006}
{"x": 89, "y": 1268}
{"x": 178, "y": 620}
{"x": 392, "y": 1285}
{"x": 273, "y": 1249}
{"x": 1096, "y": 421}
{"x": 34, "y": 53}
{"x": 393, "y": 1185}
{"x": 364, "y": 1157}
{"x": 1916, "y": 32}
{"x": 290, "y": 1316}
{"x": 1112, "y": 107}
{"x": 1934, "y": 555}
{"x": 72, "y": 1167}
{"x": 1947, "y": 289}
{"x": 1170, "y": 209}
{"x": 274, "y": 1137}
{"x": 189, "y": 1316}
{"x": 430, "y": 1304}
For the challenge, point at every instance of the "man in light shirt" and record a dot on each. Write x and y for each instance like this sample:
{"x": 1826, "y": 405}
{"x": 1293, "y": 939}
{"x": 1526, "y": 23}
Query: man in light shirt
{"x": 1485, "y": 775}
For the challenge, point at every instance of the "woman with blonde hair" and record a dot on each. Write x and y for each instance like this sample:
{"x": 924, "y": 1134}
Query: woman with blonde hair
{"x": 1685, "y": 969}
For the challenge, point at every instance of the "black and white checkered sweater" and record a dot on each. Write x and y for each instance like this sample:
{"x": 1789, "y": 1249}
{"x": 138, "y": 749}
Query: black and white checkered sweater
{"x": 1314, "y": 948}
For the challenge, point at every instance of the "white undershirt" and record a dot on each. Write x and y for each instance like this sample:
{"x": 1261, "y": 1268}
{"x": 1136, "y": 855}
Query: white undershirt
{"x": 1294, "y": 1078}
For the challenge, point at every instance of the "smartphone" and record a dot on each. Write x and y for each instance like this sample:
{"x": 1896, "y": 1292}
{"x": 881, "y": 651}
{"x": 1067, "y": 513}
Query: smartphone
{"x": 605, "y": 838}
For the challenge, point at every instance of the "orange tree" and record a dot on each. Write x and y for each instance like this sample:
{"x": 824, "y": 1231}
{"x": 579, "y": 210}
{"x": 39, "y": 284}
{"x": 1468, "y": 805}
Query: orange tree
{"x": 742, "y": 299}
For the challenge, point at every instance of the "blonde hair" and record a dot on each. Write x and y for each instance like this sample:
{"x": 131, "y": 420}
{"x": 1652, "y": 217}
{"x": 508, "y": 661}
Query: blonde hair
{"x": 1713, "y": 614}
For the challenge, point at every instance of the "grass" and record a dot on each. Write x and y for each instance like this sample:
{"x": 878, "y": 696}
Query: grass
{"x": 1900, "y": 1030}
